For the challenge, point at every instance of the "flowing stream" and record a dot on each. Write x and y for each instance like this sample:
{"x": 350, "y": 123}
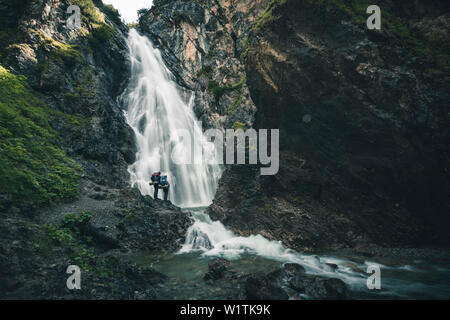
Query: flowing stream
{"x": 156, "y": 109}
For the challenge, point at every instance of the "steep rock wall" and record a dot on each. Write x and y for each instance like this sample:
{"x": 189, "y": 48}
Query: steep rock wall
{"x": 362, "y": 114}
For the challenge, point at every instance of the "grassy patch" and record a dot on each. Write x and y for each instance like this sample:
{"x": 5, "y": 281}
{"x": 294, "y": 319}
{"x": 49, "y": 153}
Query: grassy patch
{"x": 67, "y": 53}
{"x": 236, "y": 102}
{"x": 89, "y": 12}
{"x": 100, "y": 33}
{"x": 32, "y": 167}
{"x": 267, "y": 14}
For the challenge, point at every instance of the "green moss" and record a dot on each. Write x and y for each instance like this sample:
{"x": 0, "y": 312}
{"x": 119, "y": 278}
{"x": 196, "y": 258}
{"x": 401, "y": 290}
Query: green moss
{"x": 59, "y": 235}
{"x": 67, "y": 53}
{"x": 32, "y": 167}
{"x": 238, "y": 99}
{"x": 70, "y": 236}
{"x": 100, "y": 34}
{"x": 218, "y": 91}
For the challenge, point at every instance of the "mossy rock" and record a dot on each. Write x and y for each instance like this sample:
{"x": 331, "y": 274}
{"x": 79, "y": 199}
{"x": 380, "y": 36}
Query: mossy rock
{"x": 32, "y": 167}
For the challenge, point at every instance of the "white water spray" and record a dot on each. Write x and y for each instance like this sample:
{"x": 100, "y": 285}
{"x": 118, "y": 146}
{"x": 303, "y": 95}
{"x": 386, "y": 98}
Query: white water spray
{"x": 155, "y": 111}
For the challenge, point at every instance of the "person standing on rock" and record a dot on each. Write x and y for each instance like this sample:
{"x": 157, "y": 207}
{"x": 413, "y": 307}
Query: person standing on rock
{"x": 165, "y": 185}
{"x": 155, "y": 181}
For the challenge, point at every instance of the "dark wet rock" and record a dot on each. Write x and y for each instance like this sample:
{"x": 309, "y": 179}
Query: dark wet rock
{"x": 151, "y": 225}
{"x": 294, "y": 269}
{"x": 217, "y": 269}
{"x": 293, "y": 276}
{"x": 331, "y": 267}
{"x": 319, "y": 288}
{"x": 353, "y": 267}
{"x": 261, "y": 288}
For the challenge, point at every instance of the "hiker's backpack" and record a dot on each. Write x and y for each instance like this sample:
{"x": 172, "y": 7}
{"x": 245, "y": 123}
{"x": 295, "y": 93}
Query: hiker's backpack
{"x": 156, "y": 177}
{"x": 164, "y": 183}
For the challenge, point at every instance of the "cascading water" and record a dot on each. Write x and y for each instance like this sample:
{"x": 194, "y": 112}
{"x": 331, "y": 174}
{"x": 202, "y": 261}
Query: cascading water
{"x": 156, "y": 112}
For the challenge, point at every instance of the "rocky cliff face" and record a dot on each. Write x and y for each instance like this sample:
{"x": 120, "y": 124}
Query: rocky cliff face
{"x": 362, "y": 114}
{"x": 78, "y": 73}
{"x": 202, "y": 42}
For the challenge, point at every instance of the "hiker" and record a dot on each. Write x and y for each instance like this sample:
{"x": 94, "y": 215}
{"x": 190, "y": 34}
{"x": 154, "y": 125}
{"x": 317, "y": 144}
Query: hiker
{"x": 165, "y": 185}
{"x": 155, "y": 180}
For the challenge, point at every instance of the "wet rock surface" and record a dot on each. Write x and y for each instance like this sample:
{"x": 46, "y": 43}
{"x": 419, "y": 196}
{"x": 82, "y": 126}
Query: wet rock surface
{"x": 217, "y": 269}
{"x": 290, "y": 280}
{"x": 36, "y": 251}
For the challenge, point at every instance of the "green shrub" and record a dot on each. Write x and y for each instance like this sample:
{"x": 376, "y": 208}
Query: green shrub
{"x": 75, "y": 221}
{"x": 239, "y": 125}
{"x": 89, "y": 12}
{"x": 112, "y": 14}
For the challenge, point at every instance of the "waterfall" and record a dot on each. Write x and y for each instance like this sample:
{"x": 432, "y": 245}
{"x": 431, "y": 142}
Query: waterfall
{"x": 156, "y": 111}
